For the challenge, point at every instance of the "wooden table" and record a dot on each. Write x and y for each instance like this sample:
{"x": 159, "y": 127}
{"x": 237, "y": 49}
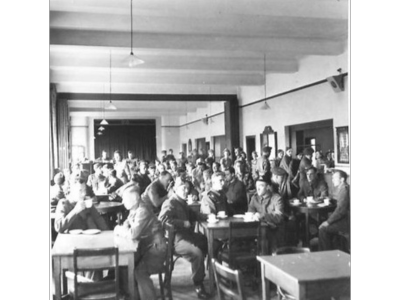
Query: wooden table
{"x": 307, "y": 209}
{"x": 63, "y": 248}
{"x": 220, "y": 230}
{"x": 314, "y": 275}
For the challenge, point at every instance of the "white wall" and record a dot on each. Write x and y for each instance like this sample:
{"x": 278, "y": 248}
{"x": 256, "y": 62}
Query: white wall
{"x": 215, "y": 126}
{"x": 315, "y": 103}
{"x": 80, "y": 133}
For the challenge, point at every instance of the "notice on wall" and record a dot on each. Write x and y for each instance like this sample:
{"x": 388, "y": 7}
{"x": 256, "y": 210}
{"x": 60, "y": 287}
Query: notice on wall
{"x": 343, "y": 144}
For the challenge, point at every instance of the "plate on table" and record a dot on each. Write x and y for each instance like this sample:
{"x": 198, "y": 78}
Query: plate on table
{"x": 238, "y": 216}
{"x": 322, "y": 205}
{"x": 212, "y": 222}
{"x": 91, "y": 231}
{"x": 75, "y": 231}
{"x": 219, "y": 217}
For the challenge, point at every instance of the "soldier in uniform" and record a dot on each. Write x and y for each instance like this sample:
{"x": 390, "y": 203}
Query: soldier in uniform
{"x": 157, "y": 192}
{"x": 190, "y": 245}
{"x": 314, "y": 185}
{"x": 143, "y": 178}
{"x": 338, "y": 221}
{"x": 263, "y": 166}
{"x": 305, "y": 163}
{"x": 268, "y": 208}
{"x": 215, "y": 200}
{"x": 226, "y": 161}
{"x": 235, "y": 192}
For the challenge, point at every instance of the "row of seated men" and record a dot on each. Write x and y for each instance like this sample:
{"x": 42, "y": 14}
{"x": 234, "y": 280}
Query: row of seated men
{"x": 165, "y": 200}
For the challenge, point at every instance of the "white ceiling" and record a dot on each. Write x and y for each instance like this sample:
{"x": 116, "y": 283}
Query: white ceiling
{"x": 189, "y": 47}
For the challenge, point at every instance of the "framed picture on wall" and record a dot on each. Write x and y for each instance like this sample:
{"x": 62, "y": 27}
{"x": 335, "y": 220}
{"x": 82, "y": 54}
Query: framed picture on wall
{"x": 343, "y": 153}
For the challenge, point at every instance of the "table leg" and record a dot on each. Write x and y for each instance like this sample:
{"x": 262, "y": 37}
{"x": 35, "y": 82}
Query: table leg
{"x": 302, "y": 292}
{"x": 57, "y": 277}
{"x": 131, "y": 275}
{"x": 265, "y": 284}
{"x": 307, "y": 241}
{"x": 210, "y": 237}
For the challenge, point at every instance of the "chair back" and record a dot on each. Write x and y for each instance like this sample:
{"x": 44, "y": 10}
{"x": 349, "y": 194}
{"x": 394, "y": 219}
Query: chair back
{"x": 243, "y": 232}
{"x": 229, "y": 282}
{"x": 291, "y": 250}
{"x": 168, "y": 263}
{"x": 100, "y": 259}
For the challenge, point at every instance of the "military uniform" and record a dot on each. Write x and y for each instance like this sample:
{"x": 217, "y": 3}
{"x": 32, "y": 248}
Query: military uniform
{"x": 339, "y": 220}
{"x": 144, "y": 226}
{"x": 270, "y": 207}
{"x": 155, "y": 194}
{"x": 213, "y": 202}
{"x": 237, "y": 196}
{"x": 317, "y": 189}
{"x": 263, "y": 167}
{"x": 226, "y": 163}
{"x": 190, "y": 245}
{"x": 144, "y": 181}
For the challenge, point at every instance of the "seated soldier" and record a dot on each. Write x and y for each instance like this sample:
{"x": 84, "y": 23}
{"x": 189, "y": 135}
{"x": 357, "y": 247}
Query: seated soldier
{"x": 142, "y": 225}
{"x": 152, "y": 172}
{"x": 114, "y": 183}
{"x": 157, "y": 192}
{"x": 338, "y": 221}
{"x": 144, "y": 179}
{"x": 215, "y": 200}
{"x": 57, "y": 191}
{"x": 216, "y": 167}
{"x": 93, "y": 179}
{"x": 235, "y": 191}
{"x": 197, "y": 175}
{"x": 72, "y": 213}
{"x": 173, "y": 168}
{"x": 190, "y": 245}
{"x": 268, "y": 208}
{"x": 314, "y": 185}
{"x": 205, "y": 185}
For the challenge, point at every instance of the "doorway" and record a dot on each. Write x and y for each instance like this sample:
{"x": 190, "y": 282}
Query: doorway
{"x": 250, "y": 146}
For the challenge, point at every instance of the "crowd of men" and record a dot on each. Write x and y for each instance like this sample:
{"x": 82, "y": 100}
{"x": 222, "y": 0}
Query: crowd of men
{"x": 156, "y": 192}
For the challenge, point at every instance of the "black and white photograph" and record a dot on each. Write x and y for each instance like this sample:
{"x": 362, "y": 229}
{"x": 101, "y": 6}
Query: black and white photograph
{"x": 199, "y": 149}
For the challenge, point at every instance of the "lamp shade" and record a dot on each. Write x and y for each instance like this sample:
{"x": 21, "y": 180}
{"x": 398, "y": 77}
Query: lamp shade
{"x": 104, "y": 122}
{"x": 134, "y": 60}
{"x": 111, "y": 106}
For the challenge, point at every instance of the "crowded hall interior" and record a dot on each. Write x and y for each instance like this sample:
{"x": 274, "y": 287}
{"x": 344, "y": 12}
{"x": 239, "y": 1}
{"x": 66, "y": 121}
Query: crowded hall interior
{"x": 199, "y": 149}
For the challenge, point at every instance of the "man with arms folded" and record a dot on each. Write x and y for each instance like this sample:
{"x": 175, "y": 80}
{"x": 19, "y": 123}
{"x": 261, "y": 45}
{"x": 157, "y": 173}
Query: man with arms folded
{"x": 268, "y": 208}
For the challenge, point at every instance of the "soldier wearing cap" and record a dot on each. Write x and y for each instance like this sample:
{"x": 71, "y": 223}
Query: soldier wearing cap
{"x": 268, "y": 208}
{"x": 226, "y": 161}
{"x": 157, "y": 192}
{"x": 339, "y": 220}
{"x": 286, "y": 163}
{"x": 314, "y": 185}
{"x": 263, "y": 166}
{"x": 190, "y": 245}
{"x": 142, "y": 225}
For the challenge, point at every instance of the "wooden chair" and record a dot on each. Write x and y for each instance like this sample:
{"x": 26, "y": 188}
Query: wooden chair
{"x": 282, "y": 294}
{"x": 240, "y": 248}
{"x": 229, "y": 282}
{"x": 165, "y": 281}
{"x": 100, "y": 290}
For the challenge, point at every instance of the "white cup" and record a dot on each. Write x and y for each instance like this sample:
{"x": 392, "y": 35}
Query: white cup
{"x": 296, "y": 201}
{"x": 309, "y": 198}
{"x": 248, "y": 214}
{"x": 222, "y": 214}
{"x": 211, "y": 217}
{"x": 89, "y": 203}
{"x": 326, "y": 201}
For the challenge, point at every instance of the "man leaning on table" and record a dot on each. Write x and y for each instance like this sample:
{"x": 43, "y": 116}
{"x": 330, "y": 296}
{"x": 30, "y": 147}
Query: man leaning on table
{"x": 215, "y": 200}
{"x": 314, "y": 185}
{"x": 75, "y": 213}
{"x": 338, "y": 221}
{"x": 268, "y": 208}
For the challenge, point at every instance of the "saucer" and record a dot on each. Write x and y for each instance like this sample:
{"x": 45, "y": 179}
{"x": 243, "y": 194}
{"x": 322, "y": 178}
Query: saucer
{"x": 212, "y": 222}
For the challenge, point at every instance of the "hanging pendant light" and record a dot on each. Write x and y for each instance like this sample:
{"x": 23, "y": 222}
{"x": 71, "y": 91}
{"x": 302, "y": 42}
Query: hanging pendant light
{"x": 99, "y": 133}
{"x": 104, "y": 122}
{"x": 101, "y": 128}
{"x": 133, "y": 59}
{"x": 265, "y": 106}
{"x": 110, "y": 105}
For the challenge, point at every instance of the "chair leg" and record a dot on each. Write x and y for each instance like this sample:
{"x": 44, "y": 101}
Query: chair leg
{"x": 160, "y": 279}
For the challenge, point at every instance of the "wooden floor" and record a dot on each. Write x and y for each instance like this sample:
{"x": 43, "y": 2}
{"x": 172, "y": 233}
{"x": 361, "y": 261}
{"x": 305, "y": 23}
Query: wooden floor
{"x": 183, "y": 289}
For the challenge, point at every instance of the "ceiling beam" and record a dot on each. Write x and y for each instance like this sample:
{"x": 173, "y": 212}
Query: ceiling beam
{"x": 146, "y": 97}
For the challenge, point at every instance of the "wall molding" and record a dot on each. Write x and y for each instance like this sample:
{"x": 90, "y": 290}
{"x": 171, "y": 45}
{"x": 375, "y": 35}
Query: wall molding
{"x": 289, "y": 91}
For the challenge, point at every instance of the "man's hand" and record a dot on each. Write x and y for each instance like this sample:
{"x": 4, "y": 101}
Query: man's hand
{"x": 324, "y": 224}
{"x": 186, "y": 224}
{"x": 80, "y": 206}
{"x": 257, "y": 216}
